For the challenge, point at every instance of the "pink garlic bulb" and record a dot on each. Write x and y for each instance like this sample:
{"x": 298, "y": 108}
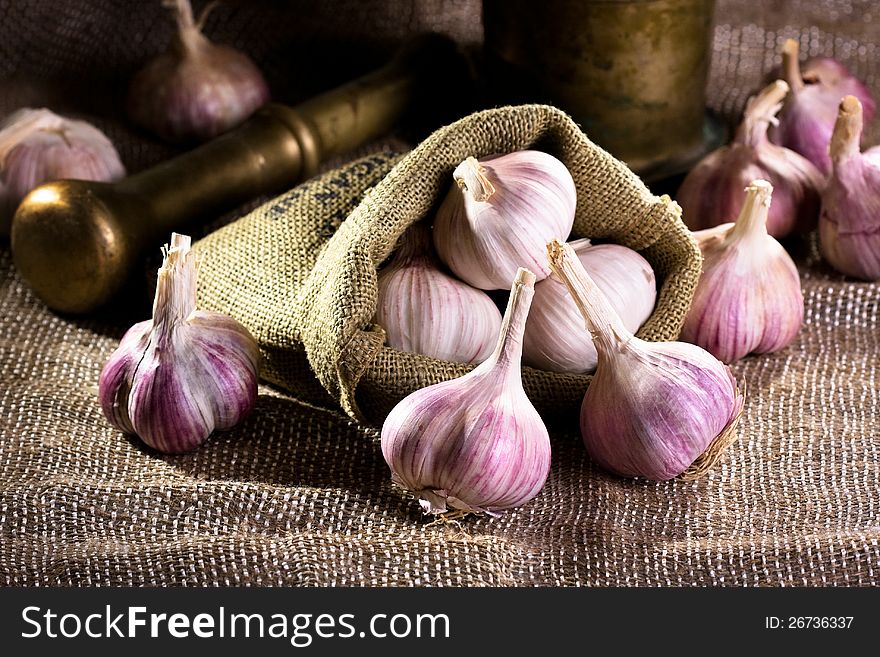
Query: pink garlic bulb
{"x": 177, "y": 377}
{"x": 653, "y": 408}
{"x": 426, "y": 311}
{"x": 37, "y": 146}
{"x": 749, "y": 298}
{"x": 474, "y": 443}
{"x": 500, "y": 213}
{"x": 555, "y": 339}
{"x": 197, "y": 89}
{"x": 849, "y": 226}
{"x": 712, "y": 192}
{"x": 810, "y": 110}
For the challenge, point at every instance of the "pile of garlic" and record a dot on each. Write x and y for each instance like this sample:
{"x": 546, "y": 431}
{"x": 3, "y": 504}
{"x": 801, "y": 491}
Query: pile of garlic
{"x": 476, "y": 443}
{"x": 802, "y": 134}
{"x": 498, "y": 216}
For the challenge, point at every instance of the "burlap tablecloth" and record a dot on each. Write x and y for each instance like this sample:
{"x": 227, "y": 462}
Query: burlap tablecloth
{"x": 301, "y": 495}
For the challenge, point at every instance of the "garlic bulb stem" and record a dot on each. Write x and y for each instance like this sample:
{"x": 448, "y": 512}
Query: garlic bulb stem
{"x": 470, "y": 176}
{"x": 508, "y": 351}
{"x": 847, "y": 130}
{"x": 791, "y": 67}
{"x": 603, "y": 323}
{"x": 752, "y": 219}
{"x": 175, "y": 298}
{"x": 189, "y": 32}
{"x": 760, "y": 113}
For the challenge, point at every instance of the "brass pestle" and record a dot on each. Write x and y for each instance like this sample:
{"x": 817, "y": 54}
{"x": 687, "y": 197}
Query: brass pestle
{"x": 76, "y": 243}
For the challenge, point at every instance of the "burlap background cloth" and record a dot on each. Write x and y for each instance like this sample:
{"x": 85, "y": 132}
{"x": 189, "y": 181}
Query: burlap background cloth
{"x": 300, "y": 494}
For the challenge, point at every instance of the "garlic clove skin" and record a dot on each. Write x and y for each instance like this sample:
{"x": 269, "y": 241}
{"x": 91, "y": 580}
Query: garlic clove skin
{"x": 424, "y": 310}
{"x": 808, "y": 116}
{"x": 499, "y": 215}
{"x": 197, "y": 89}
{"x": 475, "y": 443}
{"x": 711, "y": 193}
{"x": 653, "y": 409}
{"x": 849, "y": 226}
{"x": 555, "y": 338}
{"x": 682, "y": 402}
{"x": 749, "y": 298}
{"x": 175, "y": 379}
{"x": 37, "y": 146}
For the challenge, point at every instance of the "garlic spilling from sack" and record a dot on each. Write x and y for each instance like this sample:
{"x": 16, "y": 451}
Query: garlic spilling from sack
{"x": 555, "y": 337}
{"x": 807, "y": 118}
{"x": 500, "y": 213}
{"x": 849, "y": 227}
{"x": 653, "y": 408}
{"x": 197, "y": 89}
{"x": 712, "y": 192}
{"x": 474, "y": 443}
{"x": 748, "y": 299}
{"x": 37, "y": 146}
{"x": 176, "y": 378}
{"x": 426, "y": 311}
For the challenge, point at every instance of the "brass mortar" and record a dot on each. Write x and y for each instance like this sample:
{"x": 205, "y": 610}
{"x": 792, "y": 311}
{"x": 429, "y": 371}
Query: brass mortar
{"x": 632, "y": 73}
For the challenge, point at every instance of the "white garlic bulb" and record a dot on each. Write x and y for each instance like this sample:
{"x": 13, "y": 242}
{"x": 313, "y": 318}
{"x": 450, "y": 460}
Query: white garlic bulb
{"x": 37, "y": 146}
{"x": 748, "y": 299}
{"x": 474, "y": 443}
{"x": 426, "y": 311}
{"x": 653, "y": 409}
{"x": 556, "y": 338}
{"x": 500, "y": 214}
{"x": 177, "y": 377}
{"x": 849, "y": 226}
{"x": 197, "y": 89}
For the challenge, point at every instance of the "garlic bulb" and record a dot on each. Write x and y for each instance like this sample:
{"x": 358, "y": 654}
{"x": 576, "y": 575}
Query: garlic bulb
{"x": 176, "y": 378}
{"x": 849, "y": 227}
{"x": 426, "y": 311}
{"x": 748, "y": 299}
{"x": 500, "y": 214}
{"x": 808, "y": 116}
{"x": 37, "y": 146}
{"x": 652, "y": 408}
{"x": 555, "y": 337}
{"x": 474, "y": 443}
{"x": 712, "y": 192}
{"x": 196, "y": 90}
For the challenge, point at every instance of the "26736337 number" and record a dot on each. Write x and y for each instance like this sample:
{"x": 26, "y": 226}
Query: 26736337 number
{"x": 808, "y": 622}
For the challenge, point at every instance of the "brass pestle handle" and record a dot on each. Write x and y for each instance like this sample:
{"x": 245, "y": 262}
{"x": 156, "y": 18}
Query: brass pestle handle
{"x": 76, "y": 243}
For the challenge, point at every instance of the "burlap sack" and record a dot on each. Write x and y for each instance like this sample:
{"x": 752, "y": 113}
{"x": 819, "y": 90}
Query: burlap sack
{"x": 300, "y": 272}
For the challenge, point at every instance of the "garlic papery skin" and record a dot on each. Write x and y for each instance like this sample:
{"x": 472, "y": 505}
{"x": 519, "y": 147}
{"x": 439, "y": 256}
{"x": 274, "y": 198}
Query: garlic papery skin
{"x": 499, "y": 215}
{"x": 474, "y": 443}
{"x": 555, "y": 338}
{"x": 748, "y": 299}
{"x": 712, "y": 192}
{"x": 653, "y": 409}
{"x": 37, "y": 145}
{"x": 849, "y": 226}
{"x": 426, "y": 311}
{"x": 197, "y": 89}
{"x": 176, "y": 378}
{"x": 810, "y": 110}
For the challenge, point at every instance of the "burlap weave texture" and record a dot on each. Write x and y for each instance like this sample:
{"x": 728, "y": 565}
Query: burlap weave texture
{"x": 299, "y": 494}
{"x": 330, "y": 310}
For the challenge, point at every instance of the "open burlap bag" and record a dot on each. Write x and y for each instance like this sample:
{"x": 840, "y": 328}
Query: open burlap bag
{"x": 301, "y": 271}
